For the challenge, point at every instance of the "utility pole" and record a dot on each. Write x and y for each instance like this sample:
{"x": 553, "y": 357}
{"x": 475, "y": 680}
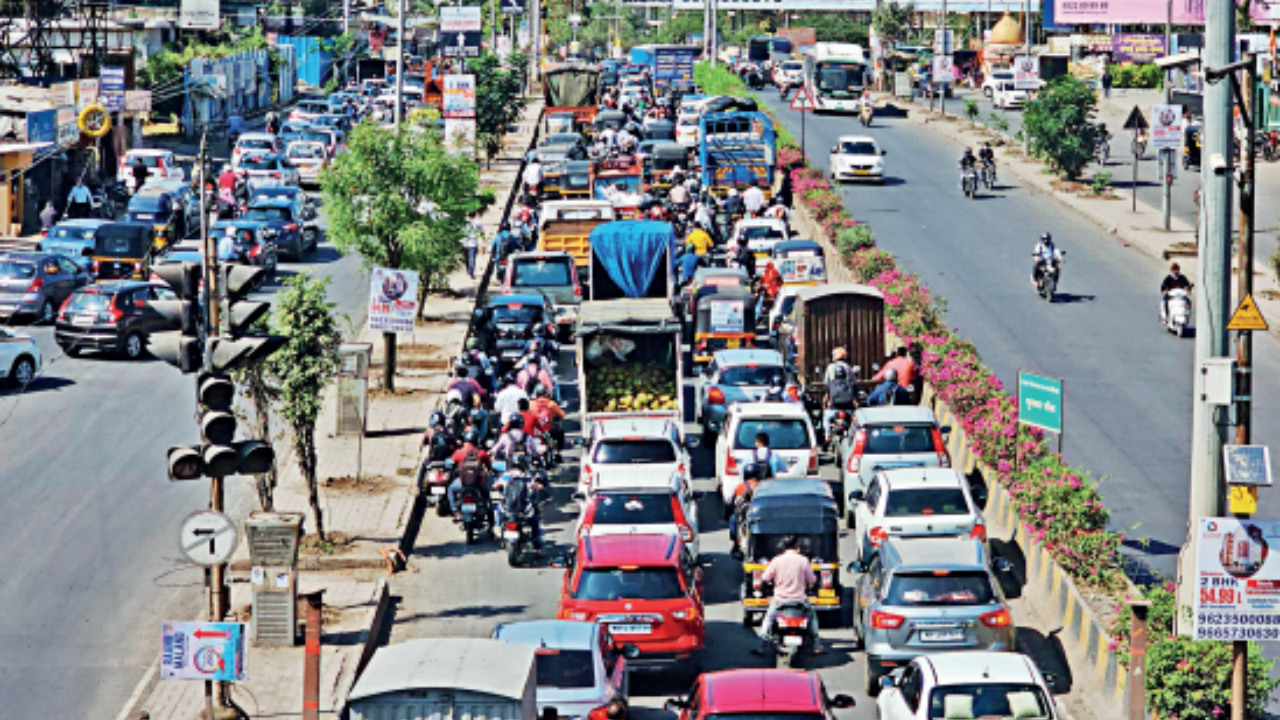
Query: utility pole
{"x": 535, "y": 41}
{"x": 941, "y": 88}
{"x": 1208, "y": 421}
{"x": 399, "y": 111}
{"x": 1167, "y": 156}
{"x": 1026, "y": 137}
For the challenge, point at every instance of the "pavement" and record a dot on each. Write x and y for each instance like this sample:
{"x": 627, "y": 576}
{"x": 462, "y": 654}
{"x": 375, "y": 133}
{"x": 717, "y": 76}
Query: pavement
{"x": 1128, "y": 383}
{"x": 370, "y": 514}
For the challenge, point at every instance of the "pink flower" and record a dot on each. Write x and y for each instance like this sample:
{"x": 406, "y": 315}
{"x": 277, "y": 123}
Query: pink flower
{"x": 1112, "y": 645}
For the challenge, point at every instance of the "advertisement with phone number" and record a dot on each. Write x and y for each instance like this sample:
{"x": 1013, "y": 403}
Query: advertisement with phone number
{"x": 1237, "y": 580}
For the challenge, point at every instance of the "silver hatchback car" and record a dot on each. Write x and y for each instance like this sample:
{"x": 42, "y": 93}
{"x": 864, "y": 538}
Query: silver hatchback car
{"x": 733, "y": 376}
{"x": 580, "y": 666}
{"x": 924, "y": 596}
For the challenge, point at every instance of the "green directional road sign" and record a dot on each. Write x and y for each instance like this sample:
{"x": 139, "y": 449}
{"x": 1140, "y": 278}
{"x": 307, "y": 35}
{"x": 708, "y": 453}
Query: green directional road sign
{"x": 1040, "y": 401}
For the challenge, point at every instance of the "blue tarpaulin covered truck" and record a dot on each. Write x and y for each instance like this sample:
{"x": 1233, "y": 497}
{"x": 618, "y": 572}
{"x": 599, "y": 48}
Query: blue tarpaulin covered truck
{"x": 737, "y": 150}
{"x": 632, "y": 259}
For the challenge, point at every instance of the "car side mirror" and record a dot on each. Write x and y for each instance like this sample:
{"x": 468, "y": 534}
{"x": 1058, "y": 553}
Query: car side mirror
{"x": 884, "y": 152}
{"x": 579, "y": 442}
{"x": 857, "y": 566}
{"x": 856, "y": 496}
{"x": 630, "y": 652}
{"x": 945, "y": 429}
{"x": 886, "y": 682}
{"x": 560, "y": 561}
{"x": 835, "y": 149}
{"x": 842, "y": 701}
{"x": 692, "y": 441}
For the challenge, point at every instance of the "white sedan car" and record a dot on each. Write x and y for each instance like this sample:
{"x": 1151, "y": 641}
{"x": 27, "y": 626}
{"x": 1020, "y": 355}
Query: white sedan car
{"x": 1005, "y": 96}
{"x": 760, "y": 234}
{"x": 19, "y": 358}
{"x": 857, "y": 157}
{"x": 977, "y": 684}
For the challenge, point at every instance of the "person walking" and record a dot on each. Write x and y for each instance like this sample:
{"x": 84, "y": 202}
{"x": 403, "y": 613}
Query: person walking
{"x": 471, "y": 242}
{"x": 48, "y": 217}
{"x": 79, "y": 201}
{"x": 1107, "y": 80}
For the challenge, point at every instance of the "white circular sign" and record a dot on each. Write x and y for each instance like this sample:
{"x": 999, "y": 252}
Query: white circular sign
{"x": 208, "y": 538}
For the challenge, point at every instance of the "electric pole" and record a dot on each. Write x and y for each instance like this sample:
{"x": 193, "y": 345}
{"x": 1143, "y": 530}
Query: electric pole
{"x": 1169, "y": 155}
{"x": 399, "y": 114}
{"x": 1212, "y": 298}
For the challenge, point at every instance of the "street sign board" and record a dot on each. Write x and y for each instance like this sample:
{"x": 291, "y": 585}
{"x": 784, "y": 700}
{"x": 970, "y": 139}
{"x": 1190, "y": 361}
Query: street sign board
{"x": 203, "y": 651}
{"x": 207, "y": 538}
{"x": 1026, "y": 73}
{"x": 513, "y": 7}
{"x": 137, "y": 101}
{"x": 1247, "y": 316}
{"x": 1040, "y": 402}
{"x": 112, "y": 93}
{"x": 460, "y": 135}
{"x": 460, "y": 19}
{"x": 1247, "y": 464}
{"x": 1136, "y": 121}
{"x": 1166, "y": 127}
{"x": 944, "y": 43}
{"x": 393, "y": 299}
{"x": 461, "y": 44}
{"x": 200, "y": 15}
{"x": 944, "y": 69}
{"x": 575, "y": 21}
{"x": 802, "y": 100}
{"x": 1237, "y": 583}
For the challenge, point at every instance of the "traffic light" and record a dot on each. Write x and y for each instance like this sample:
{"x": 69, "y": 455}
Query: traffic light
{"x": 240, "y": 348}
{"x": 181, "y": 348}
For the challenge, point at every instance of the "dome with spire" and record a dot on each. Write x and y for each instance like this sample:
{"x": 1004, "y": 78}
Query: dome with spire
{"x": 1006, "y": 32}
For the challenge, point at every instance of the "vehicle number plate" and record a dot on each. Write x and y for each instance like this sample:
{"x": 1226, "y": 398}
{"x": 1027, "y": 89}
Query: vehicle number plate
{"x": 468, "y": 508}
{"x": 792, "y": 640}
{"x": 861, "y": 172}
{"x": 826, "y": 592}
{"x": 82, "y": 320}
{"x": 733, "y": 343}
{"x": 510, "y": 535}
{"x": 941, "y": 635}
{"x": 512, "y": 353}
{"x": 437, "y": 491}
{"x": 630, "y": 629}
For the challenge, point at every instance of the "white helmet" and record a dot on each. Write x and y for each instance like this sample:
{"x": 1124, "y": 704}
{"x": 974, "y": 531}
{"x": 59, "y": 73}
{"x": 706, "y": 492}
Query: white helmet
{"x": 453, "y": 396}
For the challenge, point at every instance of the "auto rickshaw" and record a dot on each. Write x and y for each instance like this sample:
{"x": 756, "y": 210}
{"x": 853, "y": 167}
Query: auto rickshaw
{"x": 609, "y": 119}
{"x": 804, "y": 508}
{"x": 561, "y": 122}
{"x": 709, "y": 277}
{"x": 163, "y": 210}
{"x": 622, "y": 185}
{"x": 123, "y": 251}
{"x": 1191, "y": 140}
{"x": 575, "y": 180}
{"x": 801, "y": 263}
{"x": 658, "y": 130}
{"x": 726, "y": 320}
{"x": 663, "y": 158}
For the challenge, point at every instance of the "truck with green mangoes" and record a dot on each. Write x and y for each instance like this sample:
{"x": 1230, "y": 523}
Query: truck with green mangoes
{"x": 630, "y": 360}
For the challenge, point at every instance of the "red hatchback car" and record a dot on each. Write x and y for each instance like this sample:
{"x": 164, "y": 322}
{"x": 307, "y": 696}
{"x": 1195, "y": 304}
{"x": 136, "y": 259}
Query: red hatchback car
{"x": 757, "y": 694}
{"x": 647, "y": 589}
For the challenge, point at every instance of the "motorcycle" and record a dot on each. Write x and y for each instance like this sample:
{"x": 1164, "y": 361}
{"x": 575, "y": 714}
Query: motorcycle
{"x": 433, "y": 481}
{"x": 839, "y": 430}
{"x": 474, "y": 517}
{"x": 1270, "y": 142}
{"x": 970, "y": 183}
{"x": 1175, "y": 312}
{"x": 1102, "y": 151}
{"x": 865, "y": 115}
{"x": 989, "y": 175}
{"x": 1139, "y": 145}
{"x": 101, "y": 205}
{"x": 790, "y": 634}
{"x": 1047, "y": 275}
{"x": 517, "y": 536}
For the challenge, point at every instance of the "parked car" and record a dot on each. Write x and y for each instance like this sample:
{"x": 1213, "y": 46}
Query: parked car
{"x": 791, "y": 436}
{"x": 994, "y": 78}
{"x": 919, "y": 596}
{"x": 308, "y": 158}
{"x": 635, "y": 499}
{"x": 552, "y": 274}
{"x": 757, "y": 694}
{"x": 733, "y": 376}
{"x": 36, "y": 284}
{"x": 974, "y": 684}
{"x": 857, "y": 157}
{"x": 267, "y": 170}
{"x": 287, "y": 218}
{"x": 580, "y": 666}
{"x": 73, "y": 239}
{"x": 161, "y": 164}
{"x": 883, "y": 438}
{"x": 914, "y": 502}
{"x": 19, "y": 358}
{"x": 1005, "y": 96}
{"x": 113, "y": 317}
{"x": 651, "y": 443}
{"x": 254, "y": 143}
{"x": 647, "y": 589}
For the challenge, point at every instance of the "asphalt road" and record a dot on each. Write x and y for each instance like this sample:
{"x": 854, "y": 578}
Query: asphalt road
{"x": 91, "y": 520}
{"x": 1128, "y": 383}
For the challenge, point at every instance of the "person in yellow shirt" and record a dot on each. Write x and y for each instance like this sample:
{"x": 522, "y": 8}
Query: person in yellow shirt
{"x": 700, "y": 241}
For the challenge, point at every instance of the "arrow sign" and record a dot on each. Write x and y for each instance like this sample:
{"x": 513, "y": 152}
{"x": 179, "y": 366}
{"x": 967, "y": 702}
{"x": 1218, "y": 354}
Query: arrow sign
{"x": 1136, "y": 121}
{"x": 205, "y": 634}
{"x": 207, "y": 538}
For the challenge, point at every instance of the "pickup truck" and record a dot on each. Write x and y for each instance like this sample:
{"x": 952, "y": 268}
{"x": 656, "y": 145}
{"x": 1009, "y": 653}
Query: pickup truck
{"x": 631, "y": 362}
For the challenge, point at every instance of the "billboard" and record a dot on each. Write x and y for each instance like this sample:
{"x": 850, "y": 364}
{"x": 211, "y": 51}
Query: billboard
{"x": 393, "y": 299}
{"x": 1136, "y": 47}
{"x": 1237, "y": 583}
{"x": 199, "y": 15}
{"x": 1147, "y": 12}
{"x": 459, "y": 96}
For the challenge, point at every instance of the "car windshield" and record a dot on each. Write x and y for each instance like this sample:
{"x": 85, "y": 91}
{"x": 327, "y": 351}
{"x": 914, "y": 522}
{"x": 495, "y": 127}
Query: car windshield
{"x": 743, "y": 375}
{"x": 17, "y": 270}
{"x": 306, "y": 152}
{"x": 784, "y": 434}
{"x": 565, "y": 669}
{"x": 761, "y": 232}
{"x": 542, "y": 273}
{"x": 926, "y": 501}
{"x": 260, "y": 162}
{"x": 267, "y": 214}
{"x": 940, "y": 587}
{"x": 517, "y": 313}
{"x": 792, "y": 66}
{"x": 562, "y": 139}
{"x": 763, "y": 716}
{"x": 634, "y": 509}
{"x": 636, "y": 583}
{"x": 897, "y": 439}
{"x": 145, "y": 203}
{"x": 858, "y": 148}
{"x": 636, "y": 452}
{"x": 151, "y": 161}
{"x": 316, "y": 137}
{"x": 88, "y": 302}
{"x": 997, "y": 701}
{"x": 765, "y": 546}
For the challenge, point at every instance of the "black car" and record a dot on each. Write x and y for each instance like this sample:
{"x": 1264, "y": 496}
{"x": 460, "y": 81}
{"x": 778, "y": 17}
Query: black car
{"x": 113, "y": 317}
{"x": 506, "y": 323}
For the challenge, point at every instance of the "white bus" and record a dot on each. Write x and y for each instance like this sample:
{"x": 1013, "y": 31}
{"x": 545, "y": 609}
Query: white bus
{"x": 835, "y": 75}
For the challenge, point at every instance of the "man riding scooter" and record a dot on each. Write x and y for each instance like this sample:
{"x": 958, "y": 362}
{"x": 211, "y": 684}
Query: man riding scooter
{"x": 792, "y": 576}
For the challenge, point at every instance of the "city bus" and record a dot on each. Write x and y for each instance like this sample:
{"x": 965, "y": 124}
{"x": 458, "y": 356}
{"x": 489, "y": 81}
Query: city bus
{"x": 835, "y": 75}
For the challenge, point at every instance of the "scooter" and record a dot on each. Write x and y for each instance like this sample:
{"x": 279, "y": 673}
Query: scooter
{"x": 1047, "y": 275}
{"x": 1175, "y": 312}
{"x": 790, "y": 634}
{"x": 839, "y": 429}
{"x": 865, "y": 115}
{"x": 433, "y": 480}
{"x": 970, "y": 184}
{"x": 475, "y": 519}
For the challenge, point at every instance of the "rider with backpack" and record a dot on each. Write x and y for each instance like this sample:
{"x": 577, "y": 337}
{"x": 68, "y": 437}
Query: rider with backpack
{"x": 522, "y": 500}
{"x": 473, "y": 468}
{"x": 840, "y": 390}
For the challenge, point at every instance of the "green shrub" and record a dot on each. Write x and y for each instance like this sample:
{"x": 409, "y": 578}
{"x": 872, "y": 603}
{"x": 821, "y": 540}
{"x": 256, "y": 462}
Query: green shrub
{"x": 1101, "y": 183}
{"x": 998, "y": 122}
{"x": 1148, "y": 76}
{"x": 1191, "y": 680}
{"x": 971, "y": 110}
{"x": 851, "y": 240}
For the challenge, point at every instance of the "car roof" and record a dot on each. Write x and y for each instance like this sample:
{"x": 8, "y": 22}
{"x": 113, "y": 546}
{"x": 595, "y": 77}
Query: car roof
{"x": 769, "y": 410}
{"x": 748, "y": 690}
{"x": 82, "y": 223}
{"x": 539, "y": 255}
{"x": 935, "y": 553}
{"x": 521, "y": 298}
{"x": 747, "y": 357}
{"x": 763, "y": 221}
{"x": 792, "y": 488}
{"x": 907, "y": 478}
{"x": 550, "y": 634}
{"x": 645, "y": 550}
{"x": 110, "y": 287}
{"x": 26, "y": 255}
{"x": 856, "y": 138}
{"x": 894, "y": 414}
{"x": 640, "y": 478}
{"x": 981, "y": 667}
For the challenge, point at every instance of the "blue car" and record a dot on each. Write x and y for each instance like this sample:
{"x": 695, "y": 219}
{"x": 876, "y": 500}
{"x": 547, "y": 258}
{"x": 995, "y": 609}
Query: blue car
{"x": 255, "y": 242}
{"x": 733, "y": 376}
{"x": 286, "y": 217}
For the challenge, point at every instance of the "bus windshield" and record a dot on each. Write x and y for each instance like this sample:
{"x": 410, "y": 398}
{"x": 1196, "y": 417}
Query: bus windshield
{"x": 839, "y": 79}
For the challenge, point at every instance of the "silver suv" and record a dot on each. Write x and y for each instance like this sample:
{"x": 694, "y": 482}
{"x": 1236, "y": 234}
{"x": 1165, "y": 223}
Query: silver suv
{"x": 883, "y": 438}
{"x": 923, "y": 596}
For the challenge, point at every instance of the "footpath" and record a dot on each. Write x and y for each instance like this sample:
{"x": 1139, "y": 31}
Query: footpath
{"x": 1142, "y": 230}
{"x": 368, "y": 497}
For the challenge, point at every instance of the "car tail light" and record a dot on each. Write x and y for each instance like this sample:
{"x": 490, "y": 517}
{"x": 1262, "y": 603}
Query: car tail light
{"x": 794, "y": 392}
{"x": 731, "y": 466}
{"x": 577, "y": 291}
{"x": 689, "y": 614}
{"x": 513, "y": 526}
{"x": 255, "y": 251}
{"x": 997, "y": 618}
{"x": 62, "y": 309}
{"x": 940, "y": 447}
{"x": 686, "y": 534}
{"x": 827, "y": 578}
{"x": 96, "y": 266}
{"x": 877, "y": 536}
{"x": 573, "y": 615}
{"x": 291, "y": 227}
{"x": 236, "y": 150}
{"x": 813, "y": 461}
{"x": 154, "y": 277}
{"x": 886, "y": 621}
{"x": 600, "y": 713}
{"x": 33, "y": 288}
{"x": 715, "y": 396}
{"x": 859, "y": 447}
{"x": 979, "y": 532}
{"x": 702, "y": 344}
{"x": 276, "y": 175}
{"x": 586, "y": 476}
{"x": 757, "y": 579}
{"x": 113, "y": 313}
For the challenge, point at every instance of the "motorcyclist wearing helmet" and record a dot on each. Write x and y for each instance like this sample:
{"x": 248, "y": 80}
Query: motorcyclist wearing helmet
{"x": 838, "y": 388}
{"x": 437, "y": 443}
{"x": 534, "y": 372}
{"x": 514, "y": 439}
{"x": 522, "y": 498}
{"x": 456, "y": 411}
{"x": 986, "y": 154}
{"x": 889, "y": 392}
{"x": 471, "y": 446}
{"x": 545, "y": 416}
{"x": 467, "y": 386}
{"x": 1044, "y": 253}
{"x": 792, "y": 575}
{"x": 479, "y": 366}
{"x": 777, "y": 391}
{"x": 968, "y": 162}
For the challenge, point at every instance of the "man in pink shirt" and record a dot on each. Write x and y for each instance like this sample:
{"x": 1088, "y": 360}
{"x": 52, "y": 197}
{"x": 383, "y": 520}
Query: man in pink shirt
{"x": 791, "y": 575}
{"x": 903, "y": 364}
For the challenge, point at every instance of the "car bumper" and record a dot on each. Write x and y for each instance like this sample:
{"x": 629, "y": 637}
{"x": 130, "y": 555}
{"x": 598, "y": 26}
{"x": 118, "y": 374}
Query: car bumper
{"x": 665, "y": 655}
{"x": 566, "y": 314}
{"x": 883, "y": 656}
{"x": 19, "y": 305}
{"x": 88, "y": 338}
{"x": 846, "y": 173}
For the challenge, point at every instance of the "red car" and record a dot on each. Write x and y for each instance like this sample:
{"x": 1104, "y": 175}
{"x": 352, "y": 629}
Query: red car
{"x": 794, "y": 694}
{"x": 647, "y": 589}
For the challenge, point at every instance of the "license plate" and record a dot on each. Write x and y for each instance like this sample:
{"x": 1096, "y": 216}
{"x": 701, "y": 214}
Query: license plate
{"x": 468, "y": 508}
{"x": 941, "y": 635}
{"x": 82, "y": 320}
{"x": 510, "y": 535}
{"x": 512, "y": 353}
{"x": 827, "y": 592}
{"x": 437, "y": 491}
{"x": 861, "y": 172}
{"x": 733, "y": 343}
{"x": 792, "y": 640}
{"x": 630, "y": 629}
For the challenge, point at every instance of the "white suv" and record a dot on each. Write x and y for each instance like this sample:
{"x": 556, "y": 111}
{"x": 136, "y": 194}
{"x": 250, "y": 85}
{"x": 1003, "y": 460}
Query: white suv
{"x": 654, "y": 443}
{"x": 640, "y": 500}
{"x": 914, "y": 503}
{"x": 19, "y": 358}
{"x": 791, "y": 436}
{"x": 973, "y": 684}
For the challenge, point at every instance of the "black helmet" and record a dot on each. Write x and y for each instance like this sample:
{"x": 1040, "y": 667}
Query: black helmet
{"x": 437, "y": 418}
{"x": 540, "y": 390}
{"x": 509, "y": 378}
{"x": 472, "y": 436}
{"x": 1046, "y": 238}
{"x": 505, "y": 225}
{"x": 775, "y": 382}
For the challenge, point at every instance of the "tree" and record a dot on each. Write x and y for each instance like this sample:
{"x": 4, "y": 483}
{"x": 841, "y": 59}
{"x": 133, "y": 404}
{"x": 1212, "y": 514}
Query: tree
{"x": 892, "y": 20}
{"x": 1060, "y": 124}
{"x": 499, "y": 101}
{"x": 303, "y": 368}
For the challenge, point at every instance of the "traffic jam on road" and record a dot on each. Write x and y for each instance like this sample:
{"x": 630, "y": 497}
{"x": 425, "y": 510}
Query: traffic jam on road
{"x": 735, "y": 448}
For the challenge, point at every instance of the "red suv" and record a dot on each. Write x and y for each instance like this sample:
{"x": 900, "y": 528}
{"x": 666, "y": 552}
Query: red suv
{"x": 755, "y": 694}
{"x": 647, "y": 589}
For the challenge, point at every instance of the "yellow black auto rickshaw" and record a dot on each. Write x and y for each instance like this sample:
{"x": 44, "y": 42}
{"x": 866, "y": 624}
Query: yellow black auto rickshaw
{"x": 123, "y": 251}
{"x": 663, "y": 158}
{"x": 725, "y": 320}
{"x": 1191, "y": 139}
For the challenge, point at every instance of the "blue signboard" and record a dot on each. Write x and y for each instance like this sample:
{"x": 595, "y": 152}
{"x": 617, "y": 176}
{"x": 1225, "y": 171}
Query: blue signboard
{"x": 673, "y": 66}
{"x": 42, "y": 126}
{"x": 111, "y": 91}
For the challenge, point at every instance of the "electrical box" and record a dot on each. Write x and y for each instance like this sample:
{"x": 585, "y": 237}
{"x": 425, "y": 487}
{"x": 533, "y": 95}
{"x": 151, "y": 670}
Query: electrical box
{"x": 273, "y": 549}
{"x": 1217, "y": 381}
{"x": 353, "y": 388}
{"x": 273, "y": 538}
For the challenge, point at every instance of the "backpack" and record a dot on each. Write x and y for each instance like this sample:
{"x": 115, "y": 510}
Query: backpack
{"x": 471, "y": 472}
{"x": 515, "y": 498}
{"x": 841, "y": 388}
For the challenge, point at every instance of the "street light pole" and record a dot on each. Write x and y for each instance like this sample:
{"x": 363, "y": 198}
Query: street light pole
{"x": 1167, "y": 155}
{"x": 399, "y": 110}
{"x": 1208, "y": 421}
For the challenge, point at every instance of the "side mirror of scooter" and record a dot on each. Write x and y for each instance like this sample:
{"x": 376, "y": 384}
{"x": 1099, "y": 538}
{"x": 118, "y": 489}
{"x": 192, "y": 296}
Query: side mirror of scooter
{"x": 674, "y": 705}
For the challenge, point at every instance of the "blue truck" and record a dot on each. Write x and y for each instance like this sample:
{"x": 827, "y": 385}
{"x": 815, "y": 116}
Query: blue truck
{"x": 669, "y": 65}
{"x": 736, "y": 150}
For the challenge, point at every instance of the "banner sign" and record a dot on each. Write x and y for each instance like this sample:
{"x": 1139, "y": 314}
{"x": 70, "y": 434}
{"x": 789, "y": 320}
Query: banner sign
{"x": 459, "y": 96}
{"x": 1138, "y": 48}
{"x": 42, "y": 126}
{"x": 199, "y": 15}
{"x": 726, "y": 317}
{"x": 203, "y": 651}
{"x": 944, "y": 69}
{"x": 673, "y": 67}
{"x": 1166, "y": 127}
{"x": 112, "y": 92}
{"x": 460, "y": 135}
{"x": 1026, "y": 73}
{"x": 1237, "y": 591}
{"x": 137, "y": 101}
{"x": 68, "y": 130}
{"x": 393, "y": 299}
{"x": 461, "y": 44}
{"x": 88, "y": 92}
{"x": 1144, "y": 12}
{"x": 460, "y": 19}
{"x": 513, "y": 7}
{"x": 1094, "y": 42}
